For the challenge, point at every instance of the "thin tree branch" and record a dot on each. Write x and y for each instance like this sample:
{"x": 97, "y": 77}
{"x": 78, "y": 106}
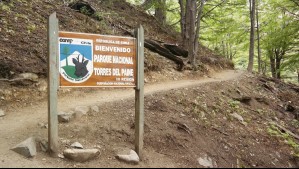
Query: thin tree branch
{"x": 223, "y": 1}
{"x": 295, "y": 2}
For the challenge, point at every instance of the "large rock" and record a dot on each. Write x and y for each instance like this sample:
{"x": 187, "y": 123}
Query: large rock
{"x": 27, "y": 148}
{"x": 81, "y": 155}
{"x": 2, "y": 113}
{"x": 132, "y": 157}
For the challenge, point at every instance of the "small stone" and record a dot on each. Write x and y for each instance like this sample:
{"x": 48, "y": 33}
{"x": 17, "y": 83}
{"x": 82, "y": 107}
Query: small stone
{"x": 2, "y": 113}
{"x": 31, "y": 76}
{"x": 81, "y": 110}
{"x": 206, "y": 161}
{"x": 61, "y": 156}
{"x": 77, "y": 145}
{"x": 131, "y": 158}
{"x": 237, "y": 116}
{"x": 43, "y": 144}
{"x": 64, "y": 117}
{"x": 95, "y": 109}
{"x": 43, "y": 125}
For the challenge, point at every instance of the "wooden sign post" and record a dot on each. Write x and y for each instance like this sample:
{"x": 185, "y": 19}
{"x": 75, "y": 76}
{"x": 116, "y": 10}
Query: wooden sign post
{"x": 139, "y": 92}
{"x": 92, "y": 60}
{"x": 52, "y": 84}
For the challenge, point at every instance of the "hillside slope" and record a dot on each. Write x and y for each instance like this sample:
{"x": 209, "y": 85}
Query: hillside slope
{"x": 23, "y": 33}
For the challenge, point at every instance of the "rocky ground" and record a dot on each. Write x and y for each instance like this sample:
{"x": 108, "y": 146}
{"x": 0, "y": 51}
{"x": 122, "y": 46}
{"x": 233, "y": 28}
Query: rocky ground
{"x": 231, "y": 119}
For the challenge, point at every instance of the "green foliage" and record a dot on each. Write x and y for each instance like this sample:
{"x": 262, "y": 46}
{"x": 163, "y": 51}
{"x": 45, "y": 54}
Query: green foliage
{"x": 225, "y": 27}
{"x": 5, "y": 8}
{"x": 275, "y": 132}
{"x": 31, "y": 28}
{"x": 234, "y": 104}
{"x": 85, "y": 11}
{"x": 98, "y": 16}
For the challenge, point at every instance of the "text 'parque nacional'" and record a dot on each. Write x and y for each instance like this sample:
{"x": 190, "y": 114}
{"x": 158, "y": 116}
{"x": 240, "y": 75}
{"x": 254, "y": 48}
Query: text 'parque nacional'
{"x": 91, "y": 60}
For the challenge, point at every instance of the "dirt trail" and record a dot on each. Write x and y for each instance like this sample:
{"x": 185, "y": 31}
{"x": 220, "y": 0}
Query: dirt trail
{"x": 20, "y": 123}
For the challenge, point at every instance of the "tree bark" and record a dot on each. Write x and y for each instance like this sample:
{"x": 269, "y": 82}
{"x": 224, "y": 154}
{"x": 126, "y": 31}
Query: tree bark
{"x": 160, "y": 11}
{"x": 188, "y": 25}
{"x": 191, "y": 49}
{"x": 199, "y": 16}
{"x": 251, "y": 48}
{"x": 272, "y": 65}
{"x": 278, "y": 57}
{"x": 263, "y": 67}
{"x": 223, "y": 48}
{"x": 227, "y": 50}
{"x": 162, "y": 50}
{"x": 258, "y": 40}
{"x": 183, "y": 20}
{"x": 278, "y": 72}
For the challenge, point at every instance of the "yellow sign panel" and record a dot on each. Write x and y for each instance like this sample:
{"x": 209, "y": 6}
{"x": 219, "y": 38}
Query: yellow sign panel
{"x": 90, "y": 60}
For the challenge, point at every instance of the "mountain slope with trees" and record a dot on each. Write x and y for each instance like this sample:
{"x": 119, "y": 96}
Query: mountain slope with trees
{"x": 231, "y": 118}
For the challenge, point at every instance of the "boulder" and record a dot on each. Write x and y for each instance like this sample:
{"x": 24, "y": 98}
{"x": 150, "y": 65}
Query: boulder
{"x": 80, "y": 155}
{"x": 26, "y": 148}
{"x": 132, "y": 157}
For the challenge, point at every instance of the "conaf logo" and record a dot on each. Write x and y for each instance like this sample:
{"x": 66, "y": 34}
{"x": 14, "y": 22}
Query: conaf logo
{"x": 66, "y": 40}
{"x": 76, "y": 61}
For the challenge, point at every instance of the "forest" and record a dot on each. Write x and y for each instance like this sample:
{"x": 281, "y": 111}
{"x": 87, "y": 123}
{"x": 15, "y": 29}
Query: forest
{"x": 258, "y": 35}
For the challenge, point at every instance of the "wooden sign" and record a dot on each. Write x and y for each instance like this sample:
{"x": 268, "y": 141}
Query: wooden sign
{"x": 91, "y": 60}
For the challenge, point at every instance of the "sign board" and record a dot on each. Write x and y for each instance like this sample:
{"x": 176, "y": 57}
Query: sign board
{"x": 91, "y": 60}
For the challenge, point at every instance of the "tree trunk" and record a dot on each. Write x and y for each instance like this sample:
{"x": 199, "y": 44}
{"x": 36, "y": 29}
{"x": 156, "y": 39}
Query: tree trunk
{"x": 161, "y": 49}
{"x": 183, "y": 20}
{"x": 298, "y": 74}
{"x": 187, "y": 26}
{"x": 160, "y": 11}
{"x": 278, "y": 72}
{"x": 251, "y": 48}
{"x": 198, "y": 21}
{"x": 263, "y": 67}
{"x": 231, "y": 55}
{"x": 272, "y": 65}
{"x": 227, "y": 50}
{"x": 191, "y": 49}
{"x": 223, "y": 48}
{"x": 258, "y": 40}
{"x": 278, "y": 58}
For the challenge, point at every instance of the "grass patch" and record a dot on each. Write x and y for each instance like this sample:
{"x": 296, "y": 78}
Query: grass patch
{"x": 275, "y": 132}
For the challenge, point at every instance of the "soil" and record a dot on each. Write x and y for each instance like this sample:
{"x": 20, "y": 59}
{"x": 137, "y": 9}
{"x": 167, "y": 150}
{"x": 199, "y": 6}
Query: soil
{"x": 184, "y": 120}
